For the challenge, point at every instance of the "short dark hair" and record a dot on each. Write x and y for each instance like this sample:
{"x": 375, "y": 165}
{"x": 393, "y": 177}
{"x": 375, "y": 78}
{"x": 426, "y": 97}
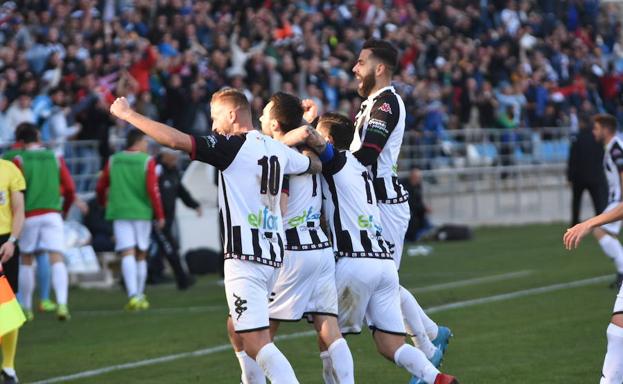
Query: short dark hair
{"x": 607, "y": 121}
{"x": 341, "y": 128}
{"x": 27, "y": 133}
{"x": 384, "y": 51}
{"x": 133, "y": 137}
{"x": 287, "y": 110}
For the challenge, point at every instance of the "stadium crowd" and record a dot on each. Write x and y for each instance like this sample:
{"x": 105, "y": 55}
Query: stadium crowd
{"x": 464, "y": 63}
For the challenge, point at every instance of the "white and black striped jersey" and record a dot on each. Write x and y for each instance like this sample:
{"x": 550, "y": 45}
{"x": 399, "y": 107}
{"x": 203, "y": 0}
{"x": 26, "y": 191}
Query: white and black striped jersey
{"x": 251, "y": 168}
{"x": 350, "y": 209}
{"x": 302, "y": 217}
{"x": 613, "y": 166}
{"x": 379, "y": 129}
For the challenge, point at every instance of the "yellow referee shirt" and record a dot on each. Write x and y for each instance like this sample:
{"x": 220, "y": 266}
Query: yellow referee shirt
{"x": 11, "y": 180}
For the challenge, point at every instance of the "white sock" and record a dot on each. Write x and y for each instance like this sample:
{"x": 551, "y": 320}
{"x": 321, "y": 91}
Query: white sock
{"x": 411, "y": 313}
{"x": 251, "y": 372}
{"x": 60, "y": 282}
{"x": 10, "y": 371}
{"x": 342, "y": 361}
{"x": 613, "y": 249}
{"x": 613, "y": 363}
{"x": 141, "y": 274}
{"x": 128, "y": 270}
{"x": 327, "y": 368}
{"x": 26, "y": 285}
{"x": 275, "y": 365}
{"x": 414, "y": 361}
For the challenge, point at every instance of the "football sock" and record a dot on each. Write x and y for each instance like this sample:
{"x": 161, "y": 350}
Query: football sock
{"x": 613, "y": 249}
{"x": 342, "y": 361}
{"x": 412, "y": 314}
{"x": 60, "y": 282}
{"x": 612, "y": 372}
{"x": 327, "y": 368}
{"x": 275, "y": 365}
{"x": 414, "y": 361}
{"x": 128, "y": 270}
{"x": 43, "y": 276}
{"x": 9, "y": 346}
{"x": 251, "y": 372}
{"x": 26, "y": 285}
{"x": 141, "y": 273}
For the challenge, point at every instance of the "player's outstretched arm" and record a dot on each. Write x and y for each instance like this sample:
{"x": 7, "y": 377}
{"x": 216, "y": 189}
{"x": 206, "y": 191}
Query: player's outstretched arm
{"x": 315, "y": 165}
{"x": 163, "y": 134}
{"x": 574, "y": 235}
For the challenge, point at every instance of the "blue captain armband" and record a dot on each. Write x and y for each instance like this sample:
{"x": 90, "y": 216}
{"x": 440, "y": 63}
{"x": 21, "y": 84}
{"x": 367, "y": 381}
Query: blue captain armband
{"x": 327, "y": 154}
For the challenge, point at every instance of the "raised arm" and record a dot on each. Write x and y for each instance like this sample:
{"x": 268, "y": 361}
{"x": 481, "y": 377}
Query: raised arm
{"x": 162, "y": 133}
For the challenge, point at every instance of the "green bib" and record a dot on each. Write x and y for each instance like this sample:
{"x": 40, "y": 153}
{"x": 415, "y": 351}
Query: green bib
{"x": 127, "y": 196}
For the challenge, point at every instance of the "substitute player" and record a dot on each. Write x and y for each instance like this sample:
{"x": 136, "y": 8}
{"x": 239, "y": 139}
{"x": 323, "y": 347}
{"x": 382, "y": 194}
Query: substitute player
{"x": 12, "y": 186}
{"x": 46, "y": 176}
{"x": 604, "y": 129}
{"x": 129, "y": 189}
{"x": 366, "y": 276}
{"x": 251, "y": 168}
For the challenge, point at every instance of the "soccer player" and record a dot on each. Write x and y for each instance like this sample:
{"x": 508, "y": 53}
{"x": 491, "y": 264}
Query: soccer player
{"x": 251, "y": 168}
{"x": 306, "y": 282}
{"x": 129, "y": 189}
{"x": 379, "y": 130}
{"x": 46, "y": 176}
{"x": 366, "y": 276}
{"x": 604, "y": 129}
{"x": 12, "y": 186}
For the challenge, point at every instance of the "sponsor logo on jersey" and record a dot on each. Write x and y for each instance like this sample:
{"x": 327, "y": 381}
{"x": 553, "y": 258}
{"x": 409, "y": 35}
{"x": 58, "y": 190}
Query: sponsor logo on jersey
{"x": 306, "y": 216}
{"x": 386, "y": 108}
{"x": 367, "y": 222}
{"x": 264, "y": 219}
{"x": 378, "y": 126}
{"x": 210, "y": 141}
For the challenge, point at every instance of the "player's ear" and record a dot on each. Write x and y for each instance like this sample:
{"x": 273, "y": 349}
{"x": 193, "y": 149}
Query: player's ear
{"x": 274, "y": 126}
{"x": 232, "y": 115}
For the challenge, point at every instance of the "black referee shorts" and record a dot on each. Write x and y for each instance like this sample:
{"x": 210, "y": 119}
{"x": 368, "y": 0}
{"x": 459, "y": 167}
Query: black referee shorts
{"x": 11, "y": 267}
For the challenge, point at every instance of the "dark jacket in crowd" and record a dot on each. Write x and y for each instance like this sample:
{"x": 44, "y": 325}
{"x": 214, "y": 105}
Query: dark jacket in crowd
{"x": 171, "y": 187}
{"x": 585, "y": 164}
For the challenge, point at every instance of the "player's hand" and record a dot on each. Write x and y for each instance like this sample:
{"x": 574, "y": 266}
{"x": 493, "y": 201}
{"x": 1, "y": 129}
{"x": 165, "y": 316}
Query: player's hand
{"x": 160, "y": 223}
{"x": 296, "y": 136}
{"x": 6, "y": 251}
{"x": 574, "y": 235}
{"x": 121, "y": 108}
{"x": 310, "y": 109}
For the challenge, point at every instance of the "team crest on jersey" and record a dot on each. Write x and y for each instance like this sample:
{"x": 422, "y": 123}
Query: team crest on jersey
{"x": 210, "y": 141}
{"x": 240, "y": 306}
{"x": 386, "y": 108}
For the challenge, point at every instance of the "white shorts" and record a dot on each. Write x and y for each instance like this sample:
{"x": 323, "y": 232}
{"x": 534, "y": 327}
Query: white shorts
{"x": 131, "y": 233}
{"x": 395, "y": 221}
{"x": 247, "y": 286}
{"x": 618, "y": 303}
{"x": 614, "y": 227}
{"x": 368, "y": 287}
{"x": 305, "y": 286}
{"x": 43, "y": 233}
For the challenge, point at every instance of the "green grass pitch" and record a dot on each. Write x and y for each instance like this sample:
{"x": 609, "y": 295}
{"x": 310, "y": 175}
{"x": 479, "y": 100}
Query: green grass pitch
{"x": 556, "y": 336}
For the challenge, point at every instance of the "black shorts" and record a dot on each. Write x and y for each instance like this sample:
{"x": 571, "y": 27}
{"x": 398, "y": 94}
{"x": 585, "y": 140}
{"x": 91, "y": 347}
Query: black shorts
{"x": 11, "y": 267}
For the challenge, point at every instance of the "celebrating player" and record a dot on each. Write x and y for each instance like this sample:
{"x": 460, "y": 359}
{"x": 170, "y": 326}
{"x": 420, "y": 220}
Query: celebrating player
{"x": 251, "y": 168}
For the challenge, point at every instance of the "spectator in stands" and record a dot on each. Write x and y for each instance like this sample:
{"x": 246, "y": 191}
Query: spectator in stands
{"x": 171, "y": 188}
{"x": 585, "y": 172}
{"x": 100, "y": 228}
{"x": 419, "y": 223}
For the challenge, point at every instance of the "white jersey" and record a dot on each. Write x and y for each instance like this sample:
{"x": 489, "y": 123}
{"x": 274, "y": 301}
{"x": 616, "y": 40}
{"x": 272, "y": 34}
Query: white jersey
{"x": 613, "y": 166}
{"x": 379, "y": 129}
{"x": 351, "y": 210}
{"x": 251, "y": 168}
{"x": 302, "y": 218}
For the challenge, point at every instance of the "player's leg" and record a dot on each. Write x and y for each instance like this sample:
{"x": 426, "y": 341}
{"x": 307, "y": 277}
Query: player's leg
{"x": 247, "y": 286}
{"x": 251, "y": 371}
{"x": 28, "y": 243}
{"x": 125, "y": 244}
{"x": 612, "y": 371}
{"x": 142, "y": 231}
{"x": 8, "y": 342}
{"x": 412, "y": 315}
{"x": 341, "y": 359}
{"x": 611, "y": 246}
{"x": 328, "y": 374}
{"x": 52, "y": 238}
{"x": 43, "y": 275}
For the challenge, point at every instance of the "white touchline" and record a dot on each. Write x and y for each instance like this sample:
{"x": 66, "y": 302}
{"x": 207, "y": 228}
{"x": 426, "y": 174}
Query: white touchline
{"x": 297, "y": 335}
{"x": 475, "y": 281}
